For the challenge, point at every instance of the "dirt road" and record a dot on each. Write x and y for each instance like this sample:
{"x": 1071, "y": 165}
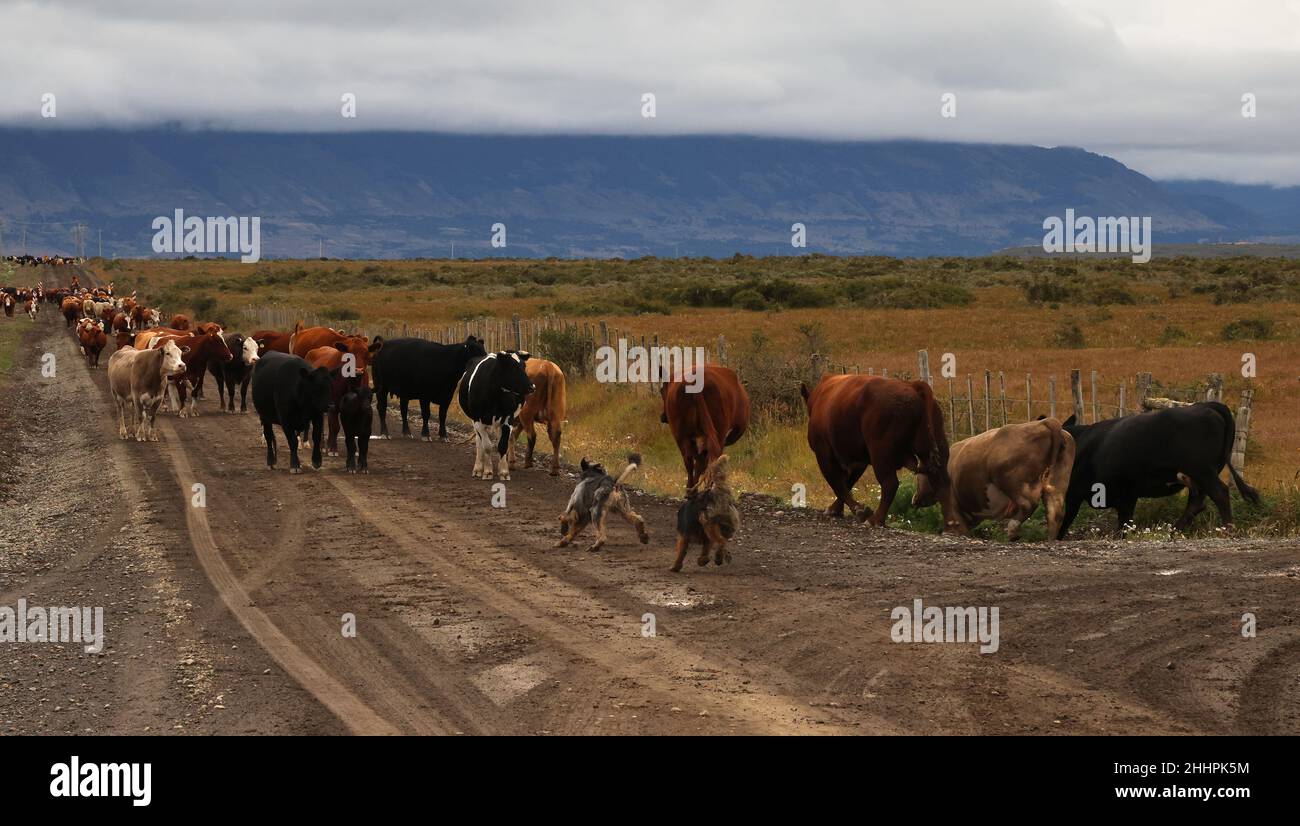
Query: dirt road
{"x": 229, "y": 618}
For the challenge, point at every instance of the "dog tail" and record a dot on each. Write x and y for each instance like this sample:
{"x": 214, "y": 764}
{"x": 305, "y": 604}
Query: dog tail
{"x": 633, "y": 462}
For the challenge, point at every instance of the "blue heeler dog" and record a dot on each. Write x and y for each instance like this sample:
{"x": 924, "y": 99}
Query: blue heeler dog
{"x": 597, "y": 496}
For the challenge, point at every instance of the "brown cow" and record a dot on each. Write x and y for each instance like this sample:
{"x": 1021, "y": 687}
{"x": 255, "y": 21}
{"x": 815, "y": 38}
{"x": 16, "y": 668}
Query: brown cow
{"x": 143, "y": 337}
{"x": 705, "y": 422}
{"x": 271, "y": 340}
{"x": 138, "y": 379}
{"x": 93, "y": 340}
{"x": 180, "y": 322}
{"x": 1005, "y": 473}
{"x": 855, "y": 421}
{"x": 71, "y": 309}
{"x": 546, "y": 404}
{"x": 362, "y": 349}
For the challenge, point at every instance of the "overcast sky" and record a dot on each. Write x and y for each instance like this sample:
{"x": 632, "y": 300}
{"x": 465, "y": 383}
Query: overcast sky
{"x": 1155, "y": 83}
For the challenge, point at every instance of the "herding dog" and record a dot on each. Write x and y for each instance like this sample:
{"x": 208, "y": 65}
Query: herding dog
{"x": 708, "y": 516}
{"x": 597, "y": 496}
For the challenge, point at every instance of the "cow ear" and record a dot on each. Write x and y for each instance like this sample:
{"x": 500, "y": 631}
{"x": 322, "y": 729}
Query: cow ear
{"x": 377, "y": 344}
{"x": 1068, "y": 422}
{"x": 523, "y": 356}
{"x": 341, "y": 346}
{"x": 185, "y": 349}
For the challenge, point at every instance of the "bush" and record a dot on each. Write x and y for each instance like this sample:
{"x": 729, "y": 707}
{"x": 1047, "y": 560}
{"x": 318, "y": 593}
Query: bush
{"x": 567, "y": 348}
{"x": 203, "y": 306}
{"x": 1173, "y": 334}
{"x": 1248, "y": 328}
{"x": 749, "y": 300}
{"x": 772, "y": 379}
{"x": 342, "y": 314}
{"x": 1048, "y": 291}
{"x": 1069, "y": 335}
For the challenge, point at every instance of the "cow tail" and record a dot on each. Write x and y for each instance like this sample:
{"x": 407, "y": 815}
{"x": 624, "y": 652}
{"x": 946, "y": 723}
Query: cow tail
{"x": 1229, "y": 437}
{"x": 556, "y": 402}
{"x": 712, "y": 439}
{"x": 1053, "y": 452}
{"x": 935, "y": 465}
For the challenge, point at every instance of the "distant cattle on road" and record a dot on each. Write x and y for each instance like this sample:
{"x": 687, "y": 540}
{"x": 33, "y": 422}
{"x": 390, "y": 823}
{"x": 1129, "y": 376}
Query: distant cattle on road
{"x": 1005, "y": 473}
{"x": 705, "y": 423}
{"x": 289, "y": 392}
{"x": 1150, "y": 455}
{"x": 855, "y": 421}
{"x": 412, "y": 368}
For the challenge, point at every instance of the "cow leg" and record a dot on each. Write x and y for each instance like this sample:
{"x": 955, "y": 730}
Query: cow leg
{"x": 424, "y": 421}
{"x": 350, "y": 444}
{"x": 835, "y": 476}
{"x": 888, "y": 480}
{"x": 291, "y": 436}
{"x": 363, "y": 442}
{"x": 720, "y": 552}
{"x": 121, "y": 417}
{"x": 334, "y": 432}
{"x": 268, "y": 435}
{"x": 317, "y": 431}
{"x": 1124, "y": 508}
{"x": 500, "y": 454}
{"x": 687, "y": 447}
{"x": 555, "y": 431}
{"x": 243, "y": 394}
{"x": 152, "y": 411}
{"x": 404, "y": 404}
{"x": 442, "y": 422}
{"x": 478, "y": 450}
{"x": 381, "y": 402}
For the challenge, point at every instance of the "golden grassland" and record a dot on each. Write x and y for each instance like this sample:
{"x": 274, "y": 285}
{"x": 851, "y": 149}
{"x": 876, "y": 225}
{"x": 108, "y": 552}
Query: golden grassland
{"x": 1167, "y": 318}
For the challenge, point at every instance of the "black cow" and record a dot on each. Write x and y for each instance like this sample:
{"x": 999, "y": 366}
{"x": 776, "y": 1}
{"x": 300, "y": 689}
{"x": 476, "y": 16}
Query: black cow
{"x": 235, "y": 373}
{"x": 288, "y": 392}
{"x": 494, "y": 389}
{"x": 356, "y": 417}
{"x": 1152, "y": 455}
{"x": 412, "y": 368}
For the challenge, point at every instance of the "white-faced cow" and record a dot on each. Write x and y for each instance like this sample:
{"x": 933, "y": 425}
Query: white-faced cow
{"x": 1119, "y": 461}
{"x": 138, "y": 380}
{"x": 412, "y": 368}
{"x": 1004, "y": 474}
{"x": 288, "y": 392}
{"x": 491, "y": 394}
{"x": 235, "y": 373}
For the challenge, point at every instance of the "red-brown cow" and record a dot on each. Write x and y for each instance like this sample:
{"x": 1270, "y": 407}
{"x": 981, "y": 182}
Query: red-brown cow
{"x": 361, "y": 348}
{"x": 705, "y": 422}
{"x": 180, "y": 322}
{"x": 274, "y": 341}
{"x": 546, "y": 405}
{"x": 71, "y": 309}
{"x": 855, "y": 421}
{"x": 93, "y": 340}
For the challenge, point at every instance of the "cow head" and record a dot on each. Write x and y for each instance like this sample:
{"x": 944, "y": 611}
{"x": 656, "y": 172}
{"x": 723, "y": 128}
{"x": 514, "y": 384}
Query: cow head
{"x": 513, "y": 375}
{"x": 248, "y": 349}
{"x": 172, "y": 363}
{"x": 213, "y": 346}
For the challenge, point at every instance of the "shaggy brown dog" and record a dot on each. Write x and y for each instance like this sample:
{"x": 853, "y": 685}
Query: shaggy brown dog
{"x": 708, "y": 516}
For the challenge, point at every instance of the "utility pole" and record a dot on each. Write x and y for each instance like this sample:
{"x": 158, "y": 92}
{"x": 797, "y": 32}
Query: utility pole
{"x": 453, "y": 249}
{"x": 320, "y": 252}
{"x": 101, "y": 243}
{"x": 24, "y": 240}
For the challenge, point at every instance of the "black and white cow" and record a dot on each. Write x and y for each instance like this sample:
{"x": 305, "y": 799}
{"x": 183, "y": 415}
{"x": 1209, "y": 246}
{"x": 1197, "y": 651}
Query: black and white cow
{"x": 235, "y": 373}
{"x": 412, "y": 368}
{"x": 491, "y": 394}
{"x": 1153, "y": 455}
{"x": 288, "y": 392}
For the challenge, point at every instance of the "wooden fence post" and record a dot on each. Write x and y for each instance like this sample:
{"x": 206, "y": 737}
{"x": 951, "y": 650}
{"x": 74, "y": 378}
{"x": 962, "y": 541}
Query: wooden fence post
{"x": 988, "y": 400}
{"x": 1051, "y": 396}
{"x": 1143, "y": 390}
{"x": 1214, "y": 393}
{"x": 1243, "y": 430}
{"x": 970, "y": 402}
{"x": 1076, "y": 392}
{"x": 1002, "y": 395}
{"x": 923, "y": 365}
{"x": 1029, "y": 397}
{"x": 1093, "y": 386}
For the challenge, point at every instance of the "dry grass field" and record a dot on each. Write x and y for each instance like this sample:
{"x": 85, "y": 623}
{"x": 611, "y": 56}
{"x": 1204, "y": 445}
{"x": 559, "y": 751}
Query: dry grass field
{"x": 1176, "y": 318}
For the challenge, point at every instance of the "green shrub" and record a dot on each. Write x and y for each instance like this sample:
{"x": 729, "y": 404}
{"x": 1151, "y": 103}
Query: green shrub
{"x": 1248, "y": 328}
{"x": 1070, "y": 336}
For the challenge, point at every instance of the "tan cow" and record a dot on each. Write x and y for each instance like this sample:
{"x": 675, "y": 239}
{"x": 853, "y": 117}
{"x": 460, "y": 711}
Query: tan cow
{"x": 1005, "y": 473}
{"x": 138, "y": 379}
{"x": 546, "y": 404}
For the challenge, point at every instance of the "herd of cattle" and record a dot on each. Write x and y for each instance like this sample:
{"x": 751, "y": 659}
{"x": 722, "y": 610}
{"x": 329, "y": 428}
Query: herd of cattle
{"x": 312, "y": 379}
{"x": 42, "y": 260}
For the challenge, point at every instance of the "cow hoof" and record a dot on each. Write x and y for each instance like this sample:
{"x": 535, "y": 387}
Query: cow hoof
{"x": 426, "y": 438}
{"x": 365, "y": 471}
{"x": 676, "y": 569}
{"x": 295, "y": 470}
{"x": 554, "y": 472}
{"x": 704, "y": 560}
{"x": 505, "y": 477}
{"x": 528, "y": 464}
{"x": 594, "y": 547}
{"x": 562, "y": 543}
{"x": 444, "y": 438}
{"x": 645, "y": 539}
{"x": 332, "y": 453}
